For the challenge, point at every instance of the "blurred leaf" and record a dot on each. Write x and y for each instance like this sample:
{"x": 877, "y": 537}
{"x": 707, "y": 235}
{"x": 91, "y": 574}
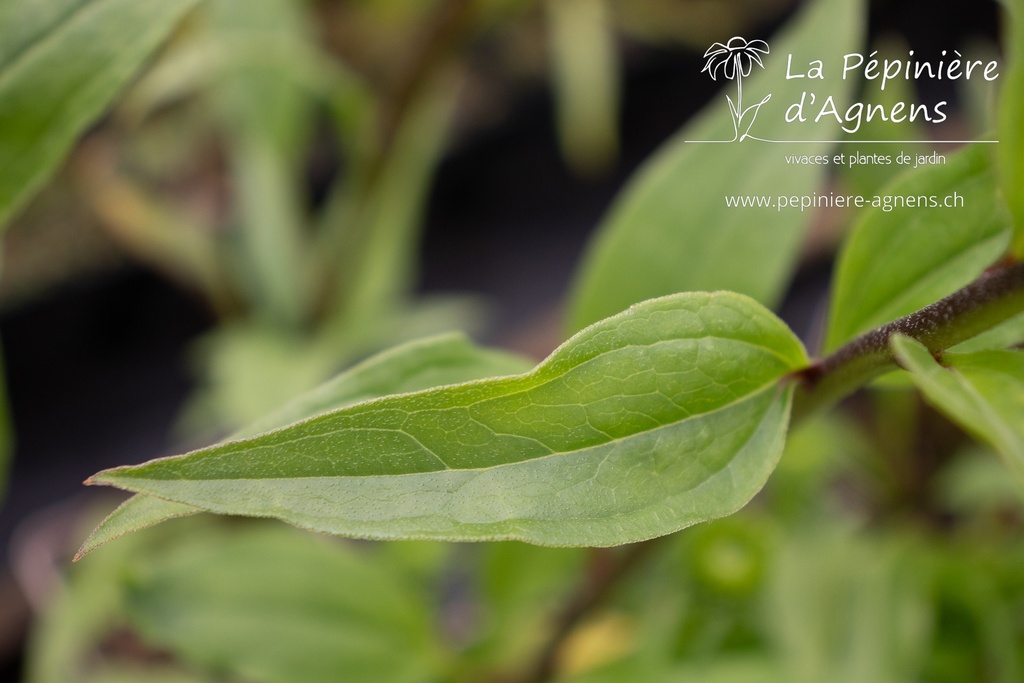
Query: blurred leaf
{"x": 152, "y": 232}
{"x": 671, "y": 231}
{"x": 371, "y": 226}
{"x": 1011, "y": 134}
{"x": 975, "y": 481}
{"x": 82, "y": 612}
{"x": 203, "y": 63}
{"x": 422, "y": 364}
{"x": 976, "y": 623}
{"x": 134, "y": 674}
{"x": 663, "y": 416}
{"x": 61, "y": 63}
{"x": 276, "y": 606}
{"x": 868, "y": 179}
{"x": 899, "y": 261}
{"x": 267, "y": 119}
{"x": 1003, "y": 335}
{"x": 586, "y": 78}
{"x": 522, "y": 589}
{"x": 735, "y": 668}
{"x": 848, "y": 610}
{"x": 980, "y": 97}
{"x": 249, "y": 369}
{"x": 983, "y": 392}
{"x": 817, "y": 451}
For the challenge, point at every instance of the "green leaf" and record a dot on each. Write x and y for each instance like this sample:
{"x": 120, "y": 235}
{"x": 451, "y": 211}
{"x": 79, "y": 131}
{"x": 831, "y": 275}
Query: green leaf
{"x": 135, "y": 673}
{"x": 1011, "y": 135}
{"x": 422, "y": 364}
{"x": 522, "y": 590}
{"x": 1008, "y": 333}
{"x": 86, "y": 607}
{"x": 271, "y": 605}
{"x": 665, "y": 415}
{"x": 983, "y": 392}
{"x": 137, "y": 513}
{"x": 857, "y": 612}
{"x": 899, "y": 261}
{"x": 869, "y": 179}
{"x": 671, "y": 231}
{"x": 61, "y": 63}
{"x": 267, "y": 118}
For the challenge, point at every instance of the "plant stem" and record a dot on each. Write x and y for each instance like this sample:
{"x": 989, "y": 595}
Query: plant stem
{"x": 994, "y": 297}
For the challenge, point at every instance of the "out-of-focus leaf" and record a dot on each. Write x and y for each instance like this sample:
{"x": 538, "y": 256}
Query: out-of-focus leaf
{"x": 816, "y": 451}
{"x": 522, "y": 589}
{"x": 82, "y": 611}
{"x": 671, "y": 230}
{"x": 665, "y": 415}
{"x": 845, "y": 609}
{"x": 1003, "y": 335}
{"x": 203, "y": 63}
{"x": 899, "y": 261}
{"x": 733, "y": 669}
{"x": 275, "y": 606}
{"x": 975, "y": 481}
{"x": 586, "y": 79}
{"x": 151, "y": 232}
{"x": 267, "y": 117}
{"x": 422, "y": 364}
{"x": 983, "y": 392}
{"x": 249, "y": 369}
{"x": 134, "y": 674}
{"x": 977, "y": 629}
{"x": 867, "y": 179}
{"x": 61, "y": 63}
{"x": 370, "y": 239}
{"x": 1011, "y": 134}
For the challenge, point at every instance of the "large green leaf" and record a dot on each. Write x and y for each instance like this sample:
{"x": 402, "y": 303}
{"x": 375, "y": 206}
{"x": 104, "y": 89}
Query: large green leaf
{"x": 1011, "y": 134}
{"x": 422, "y": 364}
{"x": 901, "y": 260}
{"x": 274, "y": 606}
{"x": 665, "y": 415}
{"x": 671, "y": 231}
{"x": 983, "y": 392}
{"x": 61, "y": 62}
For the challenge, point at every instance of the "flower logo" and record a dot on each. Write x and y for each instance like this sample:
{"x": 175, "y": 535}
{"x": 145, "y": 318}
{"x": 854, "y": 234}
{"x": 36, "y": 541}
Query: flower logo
{"x": 735, "y": 59}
